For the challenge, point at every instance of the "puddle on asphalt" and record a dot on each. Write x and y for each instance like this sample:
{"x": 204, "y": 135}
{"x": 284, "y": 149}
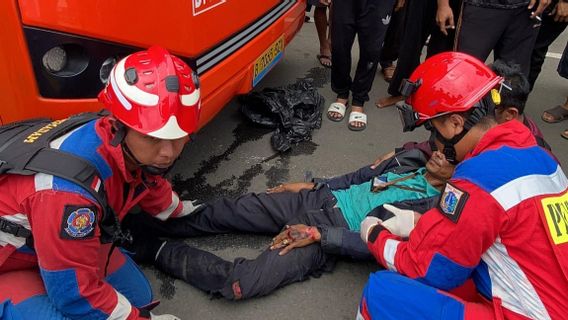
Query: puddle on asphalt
{"x": 196, "y": 187}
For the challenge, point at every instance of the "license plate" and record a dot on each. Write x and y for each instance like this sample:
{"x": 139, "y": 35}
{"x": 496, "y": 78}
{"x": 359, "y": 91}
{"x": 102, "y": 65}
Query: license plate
{"x": 267, "y": 60}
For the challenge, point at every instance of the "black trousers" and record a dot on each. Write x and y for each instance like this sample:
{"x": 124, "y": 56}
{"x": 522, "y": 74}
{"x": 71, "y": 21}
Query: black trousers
{"x": 419, "y": 23}
{"x": 368, "y": 20}
{"x": 258, "y": 213}
{"x": 393, "y": 38}
{"x": 549, "y": 31}
{"x": 510, "y": 33}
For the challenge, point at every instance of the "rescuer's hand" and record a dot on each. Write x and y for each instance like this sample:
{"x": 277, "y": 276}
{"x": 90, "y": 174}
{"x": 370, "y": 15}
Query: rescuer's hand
{"x": 367, "y": 226}
{"x": 403, "y": 221}
{"x": 189, "y": 207}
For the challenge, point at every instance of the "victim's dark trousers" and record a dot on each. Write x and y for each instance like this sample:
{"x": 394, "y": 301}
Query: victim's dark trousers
{"x": 258, "y": 213}
{"x": 549, "y": 31}
{"x": 510, "y": 33}
{"x": 363, "y": 18}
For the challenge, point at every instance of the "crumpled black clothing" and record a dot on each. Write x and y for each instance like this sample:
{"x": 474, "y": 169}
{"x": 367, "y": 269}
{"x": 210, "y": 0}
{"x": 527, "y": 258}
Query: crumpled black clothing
{"x": 294, "y": 111}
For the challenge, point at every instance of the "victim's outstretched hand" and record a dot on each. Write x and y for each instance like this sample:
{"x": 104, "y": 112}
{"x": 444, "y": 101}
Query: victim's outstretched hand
{"x": 295, "y": 236}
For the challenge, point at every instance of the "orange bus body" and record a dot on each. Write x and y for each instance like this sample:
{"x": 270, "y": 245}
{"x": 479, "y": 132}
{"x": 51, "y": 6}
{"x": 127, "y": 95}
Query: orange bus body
{"x": 222, "y": 39}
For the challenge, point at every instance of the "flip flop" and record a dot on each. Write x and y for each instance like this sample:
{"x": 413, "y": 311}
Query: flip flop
{"x": 558, "y": 114}
{"x": 336, "y": 107}
{"x": 357, "y": 116}
{"x": 321, "y": 61}
{"x": 564, "y": 134}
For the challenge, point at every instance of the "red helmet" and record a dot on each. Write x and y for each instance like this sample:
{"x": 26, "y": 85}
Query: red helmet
{"x": 445, "y": 83}
{"x": 154, "y": 93}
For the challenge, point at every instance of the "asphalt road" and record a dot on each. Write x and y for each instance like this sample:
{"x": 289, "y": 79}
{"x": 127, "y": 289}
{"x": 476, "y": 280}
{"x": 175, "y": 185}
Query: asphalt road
{"x": 229, "y": 158}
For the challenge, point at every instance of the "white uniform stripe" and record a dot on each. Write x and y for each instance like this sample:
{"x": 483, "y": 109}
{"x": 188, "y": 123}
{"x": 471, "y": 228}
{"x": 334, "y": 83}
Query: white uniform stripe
{"x": 6, "y": 238}
{"x": 43, "y": 181}
{"x": 359, "y": 315}
{"x": 510, "y": 283}
{"x": 389, "y": 252}
{"x": 122, "y": 309}
{"x": 169, "y": 210}
{"x": 518, "y": 190}
{"x": 97, "y": 185}
{"x": 132, "y": 92}
{"x": 56, "y": 144}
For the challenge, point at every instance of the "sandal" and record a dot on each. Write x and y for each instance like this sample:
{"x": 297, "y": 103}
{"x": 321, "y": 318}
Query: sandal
{"x": 388, "y": 72}
{"x": 357, "y": 116}
{"x": 557, "y": 114}
{"x": 564, "y": 134}
{"x": 336, "y": 107}
{"x": 324, "y": 60}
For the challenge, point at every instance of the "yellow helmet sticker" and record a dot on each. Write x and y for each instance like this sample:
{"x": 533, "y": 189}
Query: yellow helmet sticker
{"x": 496, "y": 97}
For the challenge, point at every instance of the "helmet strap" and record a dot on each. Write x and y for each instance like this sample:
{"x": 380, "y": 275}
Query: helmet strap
{"x": 118, "y": 138}
{"x": 449, "y": 144}
{"x": 148, "y": 169}
{"x": 119, "y": 133}
{"x": 484, "y": 108}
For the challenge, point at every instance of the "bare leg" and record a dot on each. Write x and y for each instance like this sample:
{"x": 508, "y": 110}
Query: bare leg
{"x": 320, "y": 18}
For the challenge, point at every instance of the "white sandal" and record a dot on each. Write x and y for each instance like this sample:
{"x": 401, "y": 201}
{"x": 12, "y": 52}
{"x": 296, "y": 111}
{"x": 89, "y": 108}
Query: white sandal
{"x": 356, "y": 116}
{"x": 336, "y": 107}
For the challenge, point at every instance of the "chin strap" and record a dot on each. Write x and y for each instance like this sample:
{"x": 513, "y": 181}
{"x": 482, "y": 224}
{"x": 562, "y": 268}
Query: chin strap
{"x": 484, "y": 107}
{"x": 119, "y": 135}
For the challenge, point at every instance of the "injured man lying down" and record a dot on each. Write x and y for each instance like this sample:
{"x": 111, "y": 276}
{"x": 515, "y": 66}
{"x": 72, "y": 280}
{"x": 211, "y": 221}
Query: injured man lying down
{"x": 315, "y": 223}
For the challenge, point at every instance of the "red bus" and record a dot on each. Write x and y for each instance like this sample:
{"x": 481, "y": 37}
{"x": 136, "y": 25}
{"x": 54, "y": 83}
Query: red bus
{"x": 56, "y": 54}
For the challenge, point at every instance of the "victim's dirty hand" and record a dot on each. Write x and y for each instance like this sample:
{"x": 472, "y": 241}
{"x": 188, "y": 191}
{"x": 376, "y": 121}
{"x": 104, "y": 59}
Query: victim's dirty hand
{"x": 295, "y": 236}
{"x": 291, "y": 187}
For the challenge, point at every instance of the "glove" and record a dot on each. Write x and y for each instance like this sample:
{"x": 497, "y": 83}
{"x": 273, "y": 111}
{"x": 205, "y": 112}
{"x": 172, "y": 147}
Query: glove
{"x": 189, "y": 207}
{"x": 402, "y": 222}
{"x": 163, "y": 317}
{"x": 366, "y": 225}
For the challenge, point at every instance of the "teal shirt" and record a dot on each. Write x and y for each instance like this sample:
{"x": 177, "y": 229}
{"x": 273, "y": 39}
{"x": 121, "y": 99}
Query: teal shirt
{"x": 357, "y": 201}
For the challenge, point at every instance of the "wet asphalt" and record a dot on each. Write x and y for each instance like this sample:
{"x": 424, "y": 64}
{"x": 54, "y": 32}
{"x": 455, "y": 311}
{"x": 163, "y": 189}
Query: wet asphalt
{"x": 229, "y": 157}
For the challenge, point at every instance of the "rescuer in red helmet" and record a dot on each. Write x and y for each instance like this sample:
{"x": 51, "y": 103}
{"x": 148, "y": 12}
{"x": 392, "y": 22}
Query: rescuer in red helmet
{"x": 498, "y": 221}
{"x": 59, "y": 224}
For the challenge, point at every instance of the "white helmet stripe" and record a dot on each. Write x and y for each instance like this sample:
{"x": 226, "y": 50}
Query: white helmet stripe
{"x": 190, "y": 99}
{"x": 125, "y": 103}
{"x": 171, "y": 130}
{"x": 131, "y": 91}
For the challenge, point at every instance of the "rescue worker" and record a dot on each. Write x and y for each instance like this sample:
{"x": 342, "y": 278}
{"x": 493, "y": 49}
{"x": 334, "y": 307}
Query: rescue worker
{"x": 154, "y": 101}
{"x": 501, "y": 219}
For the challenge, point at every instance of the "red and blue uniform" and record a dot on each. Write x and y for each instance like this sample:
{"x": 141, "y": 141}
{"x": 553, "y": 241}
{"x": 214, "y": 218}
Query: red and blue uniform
{"x": 63, "y": 274}
{"x": 502, "y": 221}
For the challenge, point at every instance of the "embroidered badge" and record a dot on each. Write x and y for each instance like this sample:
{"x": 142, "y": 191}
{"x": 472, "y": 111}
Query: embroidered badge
{"x": 78, "y": 222}
{"x": 452, "y": 202}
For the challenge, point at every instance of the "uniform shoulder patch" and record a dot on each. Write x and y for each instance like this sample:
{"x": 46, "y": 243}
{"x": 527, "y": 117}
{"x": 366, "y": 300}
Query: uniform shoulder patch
{"x": 78, "y": 222}
{"x": 452, "y": 202}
